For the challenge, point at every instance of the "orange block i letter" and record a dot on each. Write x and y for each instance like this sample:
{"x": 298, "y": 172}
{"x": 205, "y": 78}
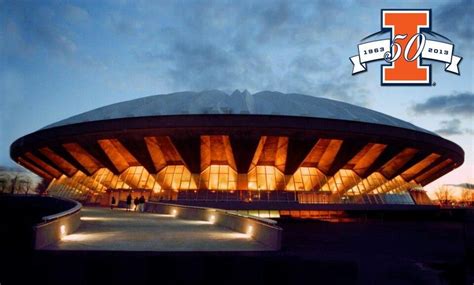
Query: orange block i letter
{"x": 407, "y": 44}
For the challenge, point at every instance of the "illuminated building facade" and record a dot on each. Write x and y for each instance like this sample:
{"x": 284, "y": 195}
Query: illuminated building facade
{"x": 210, "y": 146}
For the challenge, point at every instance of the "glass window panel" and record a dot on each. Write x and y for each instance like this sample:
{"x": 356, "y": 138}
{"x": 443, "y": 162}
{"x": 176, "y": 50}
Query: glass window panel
{"x": 252, "y": 176}
{"x": 186, "y": 175}
{"x": 150, "y": 182}
{"x": 304, "y": 171}
{"x": 297, "y": 176}
{"x": 213, "y": 181}
{"x": 142, "y": 181}
{"x": 307, "y": 182}
{"x": 261, "y": 181}
{"x": 223, "y": 179}
{"x": 205, "y": 174}
{"x": 223, "y": 169}
{"x": 299, "y": 186}
{"x": 232, "y": 185}
{"x": 184, "y": 185}
{"x": 270, "y": 178}
{"x": 270, "y": 170}
{"x": 108, "y": 178}
{"x": 177, "y": 179}
{"x": 167, "y": 181}
{"x": 325, "y": 187}
{"x": 270, "y": 182}
{"x": 252, "y": 185}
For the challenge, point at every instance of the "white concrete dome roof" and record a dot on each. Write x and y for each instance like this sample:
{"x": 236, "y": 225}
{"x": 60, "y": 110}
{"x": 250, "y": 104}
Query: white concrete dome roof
{"x": 239, "y": 103}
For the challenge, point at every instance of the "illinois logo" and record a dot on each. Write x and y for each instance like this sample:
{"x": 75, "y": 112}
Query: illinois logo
{"x": 406, "y": 49}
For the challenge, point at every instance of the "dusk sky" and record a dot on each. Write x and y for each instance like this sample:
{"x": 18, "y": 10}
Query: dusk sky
{"x": 61, "y": 58}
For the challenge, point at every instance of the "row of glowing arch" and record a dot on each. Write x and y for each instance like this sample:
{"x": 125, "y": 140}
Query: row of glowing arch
{"x": 223, "y": 177}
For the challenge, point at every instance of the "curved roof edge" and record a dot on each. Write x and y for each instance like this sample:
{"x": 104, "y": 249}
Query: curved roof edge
{"x": 219, "y": 102}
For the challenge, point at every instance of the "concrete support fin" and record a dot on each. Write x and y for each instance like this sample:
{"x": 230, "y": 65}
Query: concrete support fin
{"x": 43, "y": 165}
{"x": 420, "y": 160}
{"x": 156, "y": 154}
{"x": 329, "y": 155}
{"x": 34, "y": 168}
{"x": 298, "y": 150}
{"x": 392, "y": 167}
{"x": 61, "y": 151}
{"x": 62, "y": 164}
{"x": 137, "y": 148}
{"x": 281, "y": 153}
{"x": 348, "y": 150}
{"x": 433, "y": 175}
{"x": 96, "y": 150}
{"x": 244, "y": 149}
{"x": 189, "y": 150}
{"x": 315, "y": 154}
{"x": 368, "y": 159}
{"x": 387, "y": 154}
{"x": 418, "y": 171}
{"x": 90, "y": 163}
{"x": 205, "y": 150}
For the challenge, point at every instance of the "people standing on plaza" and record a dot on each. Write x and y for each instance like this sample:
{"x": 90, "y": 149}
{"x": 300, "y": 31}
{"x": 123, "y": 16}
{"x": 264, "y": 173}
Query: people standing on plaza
{"x": 112, "y": 203}
{"x": 129, "y": 202}
{"x": 136, "y": 202}
{"x": 141, "y": 203}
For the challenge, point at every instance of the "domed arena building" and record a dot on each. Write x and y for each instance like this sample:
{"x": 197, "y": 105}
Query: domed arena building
{"x": 268, "y": 152}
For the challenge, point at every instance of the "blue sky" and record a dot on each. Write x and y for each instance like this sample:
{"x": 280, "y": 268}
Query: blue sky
{"x": 60, "y": 58}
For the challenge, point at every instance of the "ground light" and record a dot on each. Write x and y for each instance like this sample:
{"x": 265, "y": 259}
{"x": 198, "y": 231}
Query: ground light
{"x": 174, "y": 213}
{"x": 249, "y": 231}
{"x": 212, "y": 219}
{"x": 62, "y": 230}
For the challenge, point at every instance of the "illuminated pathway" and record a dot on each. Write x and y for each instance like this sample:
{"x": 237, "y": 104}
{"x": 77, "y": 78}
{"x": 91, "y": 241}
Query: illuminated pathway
{"x": 104, "y": 229}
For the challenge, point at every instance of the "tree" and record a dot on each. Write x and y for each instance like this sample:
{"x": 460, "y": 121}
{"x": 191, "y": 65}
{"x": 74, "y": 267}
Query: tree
{"x": 467, "y": 196}
{"x": 444, "y": 194}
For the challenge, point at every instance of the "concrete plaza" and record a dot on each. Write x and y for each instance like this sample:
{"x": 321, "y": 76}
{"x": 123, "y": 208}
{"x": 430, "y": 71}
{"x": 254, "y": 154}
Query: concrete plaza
{"x": 119, "y": 230}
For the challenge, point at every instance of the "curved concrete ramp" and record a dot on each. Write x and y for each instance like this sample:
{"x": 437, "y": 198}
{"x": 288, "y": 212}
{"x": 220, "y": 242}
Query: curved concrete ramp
{"x": 118, "y": 230}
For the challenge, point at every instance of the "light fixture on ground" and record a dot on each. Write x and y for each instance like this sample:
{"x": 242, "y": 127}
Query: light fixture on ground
{"x": 249, "y": 231}
{"x": 212, "y": 219}
{"x": 62, "y": 230}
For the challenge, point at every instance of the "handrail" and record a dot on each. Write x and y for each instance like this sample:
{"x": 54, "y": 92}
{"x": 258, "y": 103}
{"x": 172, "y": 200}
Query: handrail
{"x": 54, "y": 227}
{"x": 71, "y": 211}
{"x": 258, "y": 219}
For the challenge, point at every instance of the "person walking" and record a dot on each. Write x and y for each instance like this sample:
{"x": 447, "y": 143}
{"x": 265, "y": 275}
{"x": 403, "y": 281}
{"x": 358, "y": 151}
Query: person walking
{"x": 129, "y": 202}
{"x": 141, "y": 206}
{"x": 112, "y": 203}
{"x": 136, "y": 202}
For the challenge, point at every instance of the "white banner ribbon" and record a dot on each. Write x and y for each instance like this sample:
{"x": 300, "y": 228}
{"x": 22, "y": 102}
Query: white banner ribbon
{"x": 433, "y": 50}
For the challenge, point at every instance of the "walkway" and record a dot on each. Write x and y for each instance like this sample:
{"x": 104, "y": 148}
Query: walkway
{"x": 118, "y": 230}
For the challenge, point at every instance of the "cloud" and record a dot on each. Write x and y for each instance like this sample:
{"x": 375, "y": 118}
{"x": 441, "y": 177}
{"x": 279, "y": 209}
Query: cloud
{"x": 455, "y": 18}
{"x": 274, "y": 18}
{"x": 123, "y": 24}
{"x": 452, "y": 127}
{"x": 463, "y": 185}
{"x": 33, "y": 27}
{"x": 251, "y": 45}
{"x": 75, "y": 14}
{"x": 449, "y": 128}
{"x": 461, "y": 104}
